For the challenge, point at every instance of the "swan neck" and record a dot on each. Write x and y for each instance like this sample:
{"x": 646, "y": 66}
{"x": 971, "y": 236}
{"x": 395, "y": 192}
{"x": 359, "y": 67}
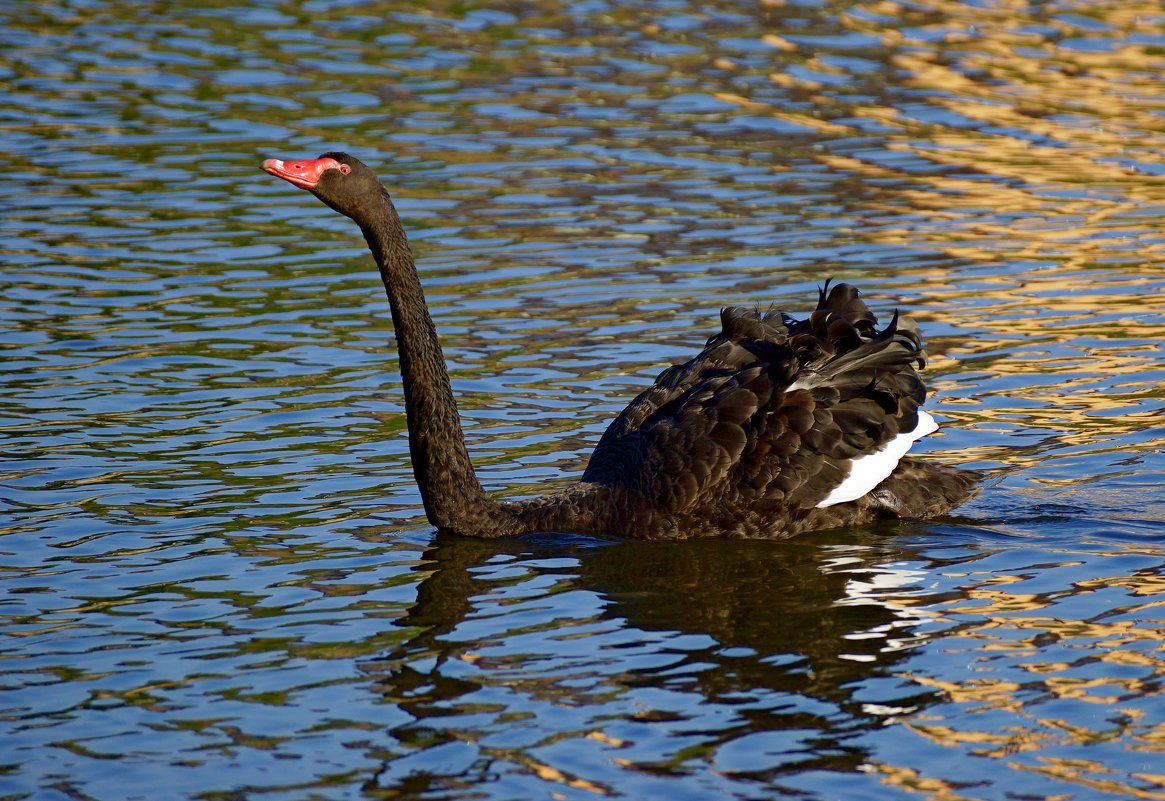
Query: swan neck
{"x": 453, "y": 497}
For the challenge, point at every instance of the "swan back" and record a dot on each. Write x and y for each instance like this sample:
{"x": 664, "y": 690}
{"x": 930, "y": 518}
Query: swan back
{"x": 773, "y": 416}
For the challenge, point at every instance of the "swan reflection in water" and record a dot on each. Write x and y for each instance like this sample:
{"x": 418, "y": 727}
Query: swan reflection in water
{"x": 638, "y": 661}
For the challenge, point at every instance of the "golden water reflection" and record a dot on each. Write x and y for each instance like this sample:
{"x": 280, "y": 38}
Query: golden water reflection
{"x": 1114, "y": 666}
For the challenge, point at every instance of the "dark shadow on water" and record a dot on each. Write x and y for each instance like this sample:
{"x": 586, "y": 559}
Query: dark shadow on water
{"x": 801, "y": 621}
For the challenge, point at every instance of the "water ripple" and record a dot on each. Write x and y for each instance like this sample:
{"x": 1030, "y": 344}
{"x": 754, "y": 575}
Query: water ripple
{"x": 215, "y": 573}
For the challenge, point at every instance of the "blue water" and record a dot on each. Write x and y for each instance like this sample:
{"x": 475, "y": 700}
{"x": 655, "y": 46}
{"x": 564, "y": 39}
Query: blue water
{"x": 218, "y": 580}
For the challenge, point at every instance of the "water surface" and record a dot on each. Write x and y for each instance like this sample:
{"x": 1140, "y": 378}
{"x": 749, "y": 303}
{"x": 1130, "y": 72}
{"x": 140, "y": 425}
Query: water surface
{"x": 218, "y": 579}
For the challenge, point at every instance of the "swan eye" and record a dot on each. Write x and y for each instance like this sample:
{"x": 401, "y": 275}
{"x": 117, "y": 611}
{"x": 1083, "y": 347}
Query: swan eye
{"x": 345, "y": 169}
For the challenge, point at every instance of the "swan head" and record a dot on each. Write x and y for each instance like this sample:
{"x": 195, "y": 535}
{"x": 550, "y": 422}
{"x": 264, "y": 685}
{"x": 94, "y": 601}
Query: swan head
{"x": 341, "y": 181}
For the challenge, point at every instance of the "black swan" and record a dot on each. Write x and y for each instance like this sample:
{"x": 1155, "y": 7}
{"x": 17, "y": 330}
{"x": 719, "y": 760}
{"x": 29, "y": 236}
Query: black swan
{"x": 778, "y": 426}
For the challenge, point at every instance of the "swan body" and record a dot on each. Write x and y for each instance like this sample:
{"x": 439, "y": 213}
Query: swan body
{"x": 776, "y": 427}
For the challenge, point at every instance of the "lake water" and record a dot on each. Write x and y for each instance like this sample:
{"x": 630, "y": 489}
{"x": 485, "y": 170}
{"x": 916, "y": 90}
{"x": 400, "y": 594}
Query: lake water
{"x": 217, "y": 579}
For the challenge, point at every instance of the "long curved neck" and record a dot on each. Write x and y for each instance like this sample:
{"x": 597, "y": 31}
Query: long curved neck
{"x": 453, "y": 497}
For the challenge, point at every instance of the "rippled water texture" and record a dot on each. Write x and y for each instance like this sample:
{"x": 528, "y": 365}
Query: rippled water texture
{"x": 217, "y": 580}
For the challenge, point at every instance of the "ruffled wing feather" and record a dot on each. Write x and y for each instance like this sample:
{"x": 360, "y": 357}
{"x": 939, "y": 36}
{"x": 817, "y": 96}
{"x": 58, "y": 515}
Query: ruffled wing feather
{"x": 772, "y": 411}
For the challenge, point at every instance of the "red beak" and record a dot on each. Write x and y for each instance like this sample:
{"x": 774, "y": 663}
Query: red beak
{"x": 304, "y": 174}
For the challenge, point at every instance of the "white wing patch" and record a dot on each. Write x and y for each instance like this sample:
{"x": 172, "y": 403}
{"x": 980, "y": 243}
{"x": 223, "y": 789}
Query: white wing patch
{"x": 869, "y": 471}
